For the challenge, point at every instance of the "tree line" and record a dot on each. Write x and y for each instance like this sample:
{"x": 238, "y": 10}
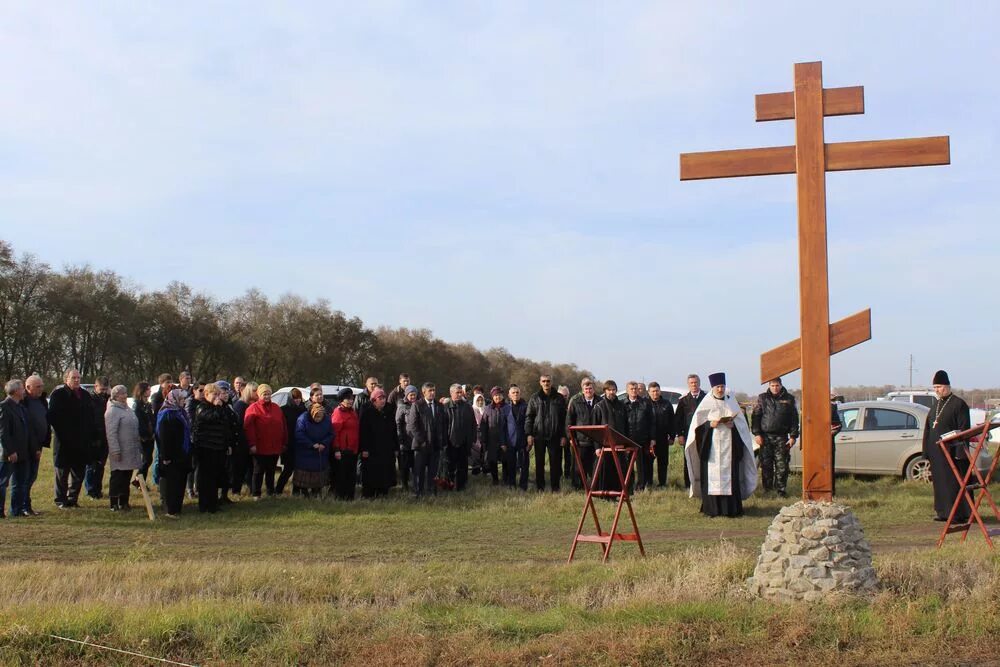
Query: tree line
{"x": 100, "y": 323}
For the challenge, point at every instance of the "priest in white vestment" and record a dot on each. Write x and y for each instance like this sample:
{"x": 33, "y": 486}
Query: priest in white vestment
{"x": 719, "y": 453}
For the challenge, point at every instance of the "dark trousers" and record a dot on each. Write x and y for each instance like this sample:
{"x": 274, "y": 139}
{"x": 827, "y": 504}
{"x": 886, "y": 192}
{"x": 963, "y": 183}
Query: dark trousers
{"x": 346, "y": 475}
{"x": 287, "y": 470}
{"x": 569, "y": 464}
{"x": 32, "y": 476}
{"x": 508, "y": 457}
{"x": 662, "y": 461}
{"x": 239, "y": 464}
{"x": 173, "y": 479}
{"x": 425, "y": 463}
{"x": 192, "y": 477}
{"x": 264, "y": 466}
{"x": 69, "y": 481}
{"x": 587, "y": 458}
{"x": 522, "y": 461}
{"x": 555, "y": 463}
{"x": 774, "y": 458}
{"x": 119, "y": 487}
{"x": 458, "y": 466}
{"x": 16, "y": 476}
{"x": 93, "y": 477}
{"x": 210, "y": 478}
{"x": 405, "y": 460}
{"x": 644, "y": 463}
{"x": 147, "y": 457}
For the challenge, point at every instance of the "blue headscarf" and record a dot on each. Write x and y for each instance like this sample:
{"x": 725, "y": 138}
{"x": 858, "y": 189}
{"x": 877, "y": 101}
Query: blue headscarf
{"x": 173, "y": 408}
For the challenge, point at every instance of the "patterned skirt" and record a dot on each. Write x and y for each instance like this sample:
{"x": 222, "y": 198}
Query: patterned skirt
{"x": 307, "y": 479}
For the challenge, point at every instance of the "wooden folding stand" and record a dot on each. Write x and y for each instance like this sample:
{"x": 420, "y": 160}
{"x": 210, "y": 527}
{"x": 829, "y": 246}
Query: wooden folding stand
{"x": 967, "y": 487}
{"x": 609, "y": 444}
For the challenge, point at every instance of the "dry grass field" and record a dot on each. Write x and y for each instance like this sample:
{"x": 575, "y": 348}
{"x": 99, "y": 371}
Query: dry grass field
{"x": 476, "y": 579}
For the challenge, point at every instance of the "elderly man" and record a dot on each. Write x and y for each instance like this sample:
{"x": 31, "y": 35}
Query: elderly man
{"x": 72, "y": 418}
{"x": 427, "y": 428}
{"x": 93, "y": 479}
{"x": 515, "y": 460}
{"x": 545, "y": 426}
{"x": 39, "y": 433}
{"x": 462, "y": 430}
{"x": 15, "y": 459}
{"x": 686, "y": 407}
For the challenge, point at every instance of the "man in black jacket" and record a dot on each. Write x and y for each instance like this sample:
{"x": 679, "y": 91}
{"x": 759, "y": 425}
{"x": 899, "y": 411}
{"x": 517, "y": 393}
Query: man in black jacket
{"x": 686, "y": 407}
{"x": 93, "y": 478}
{"x": 581, "y": 413}
{"x": 641, "y": 429}
{"x": 72, "y": 417}
{"x": 427, "y": 428}
{"x": 774, "y": 423}
{"x": 461, "y": 436}
{"x": 15, "y": 461}
{"x": 545, "y": 427}
{"x": 663, "y": 416}
{"x": 36, "y": 407}
{"x": 398, "y": 393}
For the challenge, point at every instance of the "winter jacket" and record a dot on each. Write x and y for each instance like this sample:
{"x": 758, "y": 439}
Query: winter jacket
{"x": 346, "y": 428}
{"x": 546, "y": 416}
{"x": 580, "y": 414}
{"x": 215, "y": 427}
{"x": 307, "y": 434}
{"x": 292, "y": 412}
{"x": 361, "y": 400}
{"x": 515, "y": 415}
{"x": 611, "y": 412}
{"x": 427, "y": 432}
{"x": 39, "y": 431}
{"x": 122, "y": 429}
{"x": 663, "y": 415}
{"x": 776, "y": 415}
{"x": 461, "y": 425}
{"x": 639, "y": 420}
{"x": 402, "y": 436}
{"x": 493, "y": 426}
{"x": 13, "y": 431}
{"x": 147, "y": 420}
{"x": 378, "y": 441}
{"x": 72, "y": 419}
{"x": 264, "y": 425}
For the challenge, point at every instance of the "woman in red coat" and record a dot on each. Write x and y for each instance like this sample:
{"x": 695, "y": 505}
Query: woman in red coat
{"x": 345, "y": 444}
{"x": 266, "y": 432}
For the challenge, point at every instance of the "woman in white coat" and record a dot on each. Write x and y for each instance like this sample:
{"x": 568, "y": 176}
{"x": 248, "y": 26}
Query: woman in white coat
{"x": 124, "y": 447}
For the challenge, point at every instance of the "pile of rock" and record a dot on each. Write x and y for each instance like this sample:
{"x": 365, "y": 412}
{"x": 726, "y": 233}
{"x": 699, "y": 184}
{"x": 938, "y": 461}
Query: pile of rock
{"x": 813, "y": 549}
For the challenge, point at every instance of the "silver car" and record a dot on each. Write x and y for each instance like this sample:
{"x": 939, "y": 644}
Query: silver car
{"x": 883, "y": 438}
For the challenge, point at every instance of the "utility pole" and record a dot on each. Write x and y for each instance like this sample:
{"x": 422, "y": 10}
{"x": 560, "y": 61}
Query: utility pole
{"x": 911, "y": 372}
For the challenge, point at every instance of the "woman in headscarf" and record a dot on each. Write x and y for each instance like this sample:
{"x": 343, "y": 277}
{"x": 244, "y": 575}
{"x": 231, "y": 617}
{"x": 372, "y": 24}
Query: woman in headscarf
{"x": 378, "y": 446}
{"x": 264, "y": 425}
{"x": 124, "y": 447}
{"x": 477, "y": 455}
{"x": 313, "y": 437}
{"x": 493, "y": 432}
{"x": 292, "y": 410}
{"x": 173, "y": 436}
{"x": 345, "y": 444}
{"x": 403, "y": 407}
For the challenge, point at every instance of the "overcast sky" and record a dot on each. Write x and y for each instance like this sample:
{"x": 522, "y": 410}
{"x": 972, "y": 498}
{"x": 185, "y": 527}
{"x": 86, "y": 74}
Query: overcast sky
{"x": 507, "y": 173}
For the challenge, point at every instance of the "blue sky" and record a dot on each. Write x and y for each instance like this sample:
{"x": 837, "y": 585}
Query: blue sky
{"x": 507, "y": 173}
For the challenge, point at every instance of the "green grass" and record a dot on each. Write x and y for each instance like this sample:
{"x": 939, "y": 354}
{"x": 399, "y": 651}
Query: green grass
{"x": 477, "y": 578}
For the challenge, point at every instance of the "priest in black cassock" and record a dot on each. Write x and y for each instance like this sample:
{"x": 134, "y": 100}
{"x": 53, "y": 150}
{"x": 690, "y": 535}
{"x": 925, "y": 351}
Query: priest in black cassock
{"x": 948, "y": 413}
{"x": 719, "y": 453}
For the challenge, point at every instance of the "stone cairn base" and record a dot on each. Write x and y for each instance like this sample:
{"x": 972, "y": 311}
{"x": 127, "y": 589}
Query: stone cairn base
{"x": 812, "y": 550}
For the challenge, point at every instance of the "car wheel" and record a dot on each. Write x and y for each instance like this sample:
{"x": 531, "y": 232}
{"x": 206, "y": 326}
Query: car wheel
{"x": 918, "y": 469}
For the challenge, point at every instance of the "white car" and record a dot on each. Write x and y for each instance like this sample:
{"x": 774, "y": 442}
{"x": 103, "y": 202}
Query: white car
{"x": 330, "y": 391}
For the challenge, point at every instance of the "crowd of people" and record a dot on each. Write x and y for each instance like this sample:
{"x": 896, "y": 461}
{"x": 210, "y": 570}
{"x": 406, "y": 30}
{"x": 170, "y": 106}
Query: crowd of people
{"x": 213, "y": 441}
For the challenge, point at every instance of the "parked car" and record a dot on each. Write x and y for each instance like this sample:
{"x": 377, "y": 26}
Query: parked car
{"x": 280, "y": 397}
{"x": 672, "y": 394}
{"x": 927, "y": 397}
{"x": 883, "y": 438}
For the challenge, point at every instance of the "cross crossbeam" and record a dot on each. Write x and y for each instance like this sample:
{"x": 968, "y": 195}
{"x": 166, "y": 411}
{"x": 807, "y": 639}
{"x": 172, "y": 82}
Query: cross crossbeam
{"x": 809, "y": 159}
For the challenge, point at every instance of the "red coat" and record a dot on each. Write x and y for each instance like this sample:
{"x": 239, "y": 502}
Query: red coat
{"x": 264, "y": 424}
{"x": 346, "y": 429}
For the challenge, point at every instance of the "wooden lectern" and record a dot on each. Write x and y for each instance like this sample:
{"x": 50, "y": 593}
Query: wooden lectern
{"x": 609, "y": 444}
{"x": 967, "y": 486}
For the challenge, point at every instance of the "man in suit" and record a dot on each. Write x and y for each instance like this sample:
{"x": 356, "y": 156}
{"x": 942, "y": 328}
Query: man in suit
{"x": 686, "y": 407}
{"x": 15, "y": 462}
{"x": 427, "y": 427}
{"x": 72, "y": 418}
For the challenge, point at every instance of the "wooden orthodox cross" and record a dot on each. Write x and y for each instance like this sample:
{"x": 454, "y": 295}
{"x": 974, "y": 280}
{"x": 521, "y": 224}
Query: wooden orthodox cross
{"x": 809, "y": 159}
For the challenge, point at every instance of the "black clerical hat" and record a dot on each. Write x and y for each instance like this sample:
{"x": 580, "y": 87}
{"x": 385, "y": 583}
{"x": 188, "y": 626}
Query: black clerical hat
{"x": 715, "y": 379}
{"x": 941, "y": 377}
